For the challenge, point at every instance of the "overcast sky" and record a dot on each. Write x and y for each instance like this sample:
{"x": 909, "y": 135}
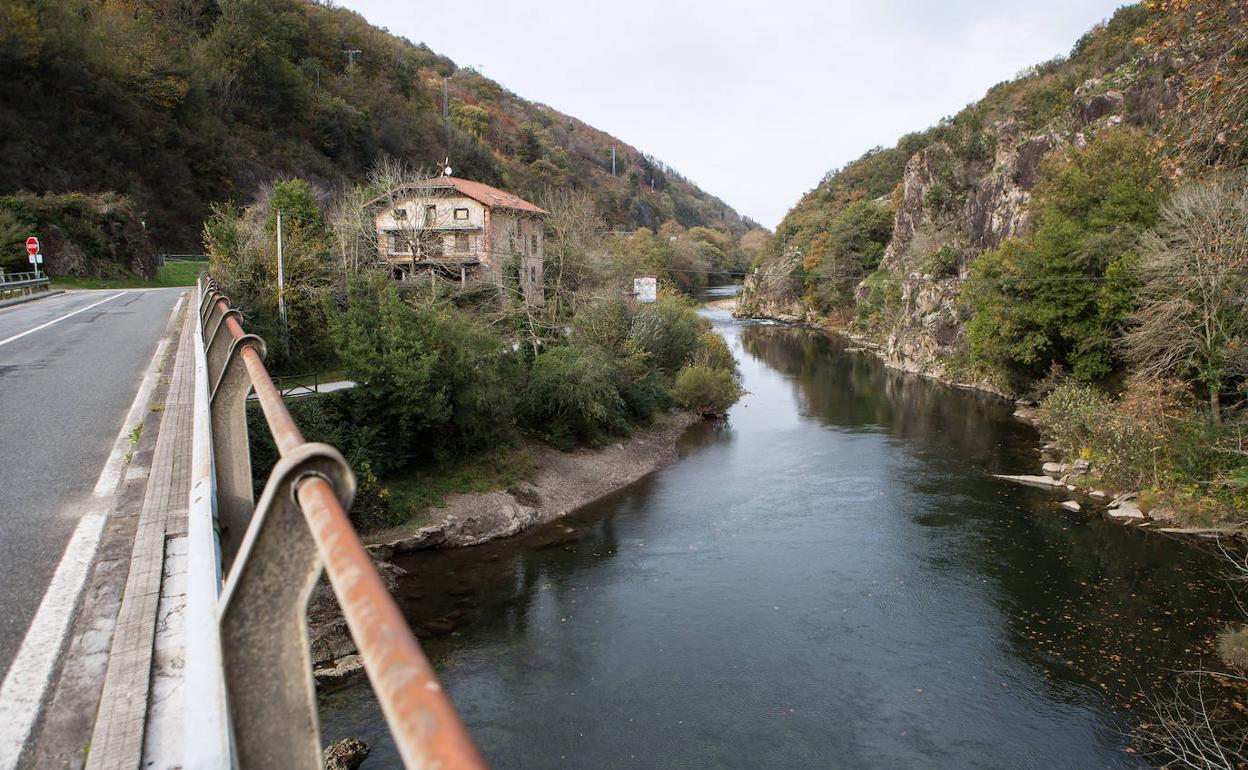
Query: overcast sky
{"x": 753, "y": 101}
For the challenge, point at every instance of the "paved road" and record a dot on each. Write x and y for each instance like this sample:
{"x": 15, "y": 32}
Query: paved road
{"x": 64, "y": 392}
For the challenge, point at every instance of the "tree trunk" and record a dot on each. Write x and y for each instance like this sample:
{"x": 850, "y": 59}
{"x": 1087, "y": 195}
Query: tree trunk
{"x": 1215, "y": 405}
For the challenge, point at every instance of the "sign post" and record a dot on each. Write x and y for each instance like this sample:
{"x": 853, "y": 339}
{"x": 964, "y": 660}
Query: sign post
{"x": 646, "y": 288}
{"x": 32, "y": 249}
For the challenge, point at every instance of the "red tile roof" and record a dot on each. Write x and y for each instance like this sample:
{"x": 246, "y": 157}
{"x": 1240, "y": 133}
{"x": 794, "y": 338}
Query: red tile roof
{"x": 481, "y": 193}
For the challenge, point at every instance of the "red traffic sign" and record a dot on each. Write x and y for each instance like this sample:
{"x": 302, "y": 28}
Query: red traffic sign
{"x": 32, "y": 245}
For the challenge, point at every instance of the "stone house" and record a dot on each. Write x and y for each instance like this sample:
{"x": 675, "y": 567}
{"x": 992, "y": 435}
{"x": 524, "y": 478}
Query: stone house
{"x": 460, "y": 230}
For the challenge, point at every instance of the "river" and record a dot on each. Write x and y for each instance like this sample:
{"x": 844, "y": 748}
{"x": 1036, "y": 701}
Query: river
{"x": 829, "y": 578}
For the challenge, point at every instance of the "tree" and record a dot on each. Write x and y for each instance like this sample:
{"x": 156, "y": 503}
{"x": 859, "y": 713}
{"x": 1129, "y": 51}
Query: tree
{"x": 1061, "y": 294}
{"x": 1192, "y": 318}
{"x": 706, "y": 390}
{"x": 573, "y": 238}
{"x": 473, "y": 120}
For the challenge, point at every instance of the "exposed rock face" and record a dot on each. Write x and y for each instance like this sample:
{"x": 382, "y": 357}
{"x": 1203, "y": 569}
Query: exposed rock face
{"x": 773, "y": 292}
{"x": 981, "y": 211}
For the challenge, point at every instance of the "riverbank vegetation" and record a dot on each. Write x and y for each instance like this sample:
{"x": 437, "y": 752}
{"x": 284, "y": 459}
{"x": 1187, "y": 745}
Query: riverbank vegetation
{"x": 448, "y": 376}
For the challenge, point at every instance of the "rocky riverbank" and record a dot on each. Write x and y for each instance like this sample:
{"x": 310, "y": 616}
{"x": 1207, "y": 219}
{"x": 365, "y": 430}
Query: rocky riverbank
{"x": 561, "y": 483}
{"x": 795, "y": 315}
{"x": 1080, "y": 480}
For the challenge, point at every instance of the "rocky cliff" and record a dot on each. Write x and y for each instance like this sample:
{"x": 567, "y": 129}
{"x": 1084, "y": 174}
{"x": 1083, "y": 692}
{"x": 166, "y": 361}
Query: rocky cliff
{"x": 963, "y": 189}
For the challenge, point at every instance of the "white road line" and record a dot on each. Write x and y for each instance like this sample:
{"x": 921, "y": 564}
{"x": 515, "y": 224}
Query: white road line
{"x": 24, "y": 686}
{"x": 59, "y": 319}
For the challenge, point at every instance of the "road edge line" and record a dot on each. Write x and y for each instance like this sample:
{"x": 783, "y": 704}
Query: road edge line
{"x": 26, "y": 683}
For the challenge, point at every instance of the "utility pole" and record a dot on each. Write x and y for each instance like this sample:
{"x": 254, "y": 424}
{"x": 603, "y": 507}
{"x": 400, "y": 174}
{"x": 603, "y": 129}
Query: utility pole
{"x": 351, "y": 54}
{"x": 612, "y": 160}
{"x": 281, "y": 274}
{"x": 446, "y": 113}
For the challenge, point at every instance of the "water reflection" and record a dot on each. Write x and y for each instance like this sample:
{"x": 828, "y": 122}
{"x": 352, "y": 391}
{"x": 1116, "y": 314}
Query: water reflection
{"x": 832, "y": 577}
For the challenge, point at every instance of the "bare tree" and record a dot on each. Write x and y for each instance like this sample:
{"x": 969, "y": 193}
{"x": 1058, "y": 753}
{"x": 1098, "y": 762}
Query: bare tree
{"x": 1193, "y": 304}
{"x": 1194, "y": 727}
{"x": 1200, "y": 724}
{"x": 573, "y": 245}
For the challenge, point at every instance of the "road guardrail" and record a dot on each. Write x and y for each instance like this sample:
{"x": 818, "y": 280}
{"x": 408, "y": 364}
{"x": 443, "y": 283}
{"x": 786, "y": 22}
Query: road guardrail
{"x": 271, "y": 553}
{"x": 20, "y": 284}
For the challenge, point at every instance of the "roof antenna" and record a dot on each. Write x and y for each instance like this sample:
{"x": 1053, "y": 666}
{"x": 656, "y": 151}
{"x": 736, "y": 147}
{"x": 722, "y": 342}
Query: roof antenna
{"x": 446, "y": 166}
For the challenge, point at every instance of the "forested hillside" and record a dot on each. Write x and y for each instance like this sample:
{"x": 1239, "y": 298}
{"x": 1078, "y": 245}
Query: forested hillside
{"x": 1079, "y": 235}
{"x": 167, "y": 106}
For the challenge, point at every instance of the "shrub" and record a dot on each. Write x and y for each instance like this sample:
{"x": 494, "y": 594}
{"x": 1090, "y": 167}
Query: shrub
{"x": 1152, "y": 436}
{"x": 705, "y": 390}
{"x": 605, "y": 323}
{"x": 1071, "y": 413}
{"x": 431, "y": 382}
{"x": 669, "y": 331}
{"x": 645, "y": 390}
{"x": 943, "y": 262}
{"x": 937, "y": 198}
{"x": 713, "y": 352}
{"x": 877, "y": 310}
{"x": 572, "y": 398}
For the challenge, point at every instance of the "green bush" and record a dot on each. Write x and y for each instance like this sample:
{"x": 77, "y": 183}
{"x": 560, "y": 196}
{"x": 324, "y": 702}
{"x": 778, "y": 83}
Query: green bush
{"x": 572, "y": 398}
{"x": 705, "y": 390}
{"x": 943, "y": 262}
{"x": 1072, "y": 413}
{"x": 605, "y": 323}
{"x": 850, "y": 248}
{"x": 1153, "y": 436}
{"x": 431, "y": 381}
{"x": 669, "y": 331}
{"x": 878, "y": 309}
{"x": 713, "y": 352}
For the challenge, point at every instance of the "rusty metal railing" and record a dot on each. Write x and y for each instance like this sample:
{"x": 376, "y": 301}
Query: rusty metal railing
{"x": 273, "y": 552}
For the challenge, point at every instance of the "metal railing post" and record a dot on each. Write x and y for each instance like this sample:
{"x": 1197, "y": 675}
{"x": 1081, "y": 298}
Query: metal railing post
{"x": 230, "y": 450}
{"x": 268, "y": 660}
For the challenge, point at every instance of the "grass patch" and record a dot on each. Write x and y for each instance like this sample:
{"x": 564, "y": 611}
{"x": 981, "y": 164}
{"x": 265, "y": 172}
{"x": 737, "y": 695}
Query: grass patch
{"x": 173, "y": 273}
{"x": 419, "y": 490}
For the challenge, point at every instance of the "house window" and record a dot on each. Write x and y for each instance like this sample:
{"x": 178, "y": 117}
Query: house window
{"x": 533, "y": 242}
{"x": 431, "y": 215}
{"x": 400, "y": 213}
{"x": 532, "y": 275}
{"x": 461, "y": 242}
{"x": 461, "y": 213}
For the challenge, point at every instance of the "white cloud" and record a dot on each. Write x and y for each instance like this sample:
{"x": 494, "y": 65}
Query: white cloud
{"x": 753, "y": 101}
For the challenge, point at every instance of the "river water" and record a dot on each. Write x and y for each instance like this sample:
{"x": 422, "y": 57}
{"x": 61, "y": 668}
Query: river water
{"x": 829, "y": 578}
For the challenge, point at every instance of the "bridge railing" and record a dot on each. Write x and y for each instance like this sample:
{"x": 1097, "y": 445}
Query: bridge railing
{"x": 253, "y": 666}
{"x": 17, "y": 284}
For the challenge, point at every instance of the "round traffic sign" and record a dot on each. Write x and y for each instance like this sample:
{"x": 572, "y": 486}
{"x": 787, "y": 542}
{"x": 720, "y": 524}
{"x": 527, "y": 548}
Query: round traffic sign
{"x": 32, "y": 245}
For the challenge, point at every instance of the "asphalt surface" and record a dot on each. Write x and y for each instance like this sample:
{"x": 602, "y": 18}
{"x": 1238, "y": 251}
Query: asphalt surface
{"x": 64, "y": 393}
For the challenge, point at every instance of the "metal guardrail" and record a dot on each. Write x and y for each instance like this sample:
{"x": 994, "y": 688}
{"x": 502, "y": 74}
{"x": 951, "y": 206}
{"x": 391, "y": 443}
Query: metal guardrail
{"x": 298, "y": 384}
{"x": 18, "y": 284}
{"x": 273, "y": 552}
